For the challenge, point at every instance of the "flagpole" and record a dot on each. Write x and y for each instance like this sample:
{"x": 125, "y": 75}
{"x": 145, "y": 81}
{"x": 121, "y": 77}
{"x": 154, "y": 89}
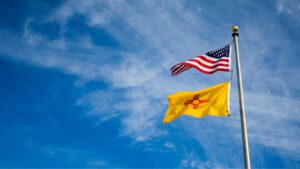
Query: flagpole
{"x": 235, "y": 35}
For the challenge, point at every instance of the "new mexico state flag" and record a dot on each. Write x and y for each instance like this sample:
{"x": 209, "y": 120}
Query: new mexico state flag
{"x": 212, "y": 101}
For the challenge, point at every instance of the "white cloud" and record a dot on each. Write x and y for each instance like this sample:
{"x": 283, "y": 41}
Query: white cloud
{"x": 31, "y": 37}
{"x": 101, "y": 104}
{"x": 276, "y": 126}
{"x": 289, "y": 7}
{"x": 169, "y": 145}
{"x": 193, "y": 161}
{"x": 156, "y": 35}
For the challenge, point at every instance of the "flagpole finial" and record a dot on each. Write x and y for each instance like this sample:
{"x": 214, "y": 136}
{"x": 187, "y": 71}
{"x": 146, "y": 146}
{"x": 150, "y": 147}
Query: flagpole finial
{"x": 235, "y": 30}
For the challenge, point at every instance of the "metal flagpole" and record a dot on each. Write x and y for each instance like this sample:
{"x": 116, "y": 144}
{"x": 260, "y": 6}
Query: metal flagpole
{"x": 235, "y": 35}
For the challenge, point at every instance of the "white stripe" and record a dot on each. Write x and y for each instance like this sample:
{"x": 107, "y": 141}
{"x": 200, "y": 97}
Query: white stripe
{"x": 206, "y": 69}
{"x": 179, "y": 70}
{"x": 176, "y": 66}
{"x": 211, "y": 64}
{"x": 186, "y": 68}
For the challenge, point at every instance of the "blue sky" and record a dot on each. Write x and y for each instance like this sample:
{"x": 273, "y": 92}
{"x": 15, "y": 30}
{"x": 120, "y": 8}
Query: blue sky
{"x": 85, "y": 83}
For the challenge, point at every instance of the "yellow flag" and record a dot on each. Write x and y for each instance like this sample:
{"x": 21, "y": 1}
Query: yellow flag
{"x": 212, "y": 101}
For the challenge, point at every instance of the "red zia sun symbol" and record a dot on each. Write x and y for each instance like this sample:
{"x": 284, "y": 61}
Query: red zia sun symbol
{"x": 195, "y": 102}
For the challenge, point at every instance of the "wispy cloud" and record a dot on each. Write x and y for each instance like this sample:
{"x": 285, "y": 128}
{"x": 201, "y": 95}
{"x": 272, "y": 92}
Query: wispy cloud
{"x": 290, "y": 7}
{"x": 193, "y": 161}
{"x": 169, "y": 145}
{"x": 153, "y": 36}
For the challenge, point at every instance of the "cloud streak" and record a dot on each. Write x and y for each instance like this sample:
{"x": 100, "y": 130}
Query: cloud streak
{"x": 154, "y": 35}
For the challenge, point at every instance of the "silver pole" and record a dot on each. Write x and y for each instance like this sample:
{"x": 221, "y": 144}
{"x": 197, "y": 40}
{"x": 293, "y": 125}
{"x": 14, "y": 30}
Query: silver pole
{"x": 235, "y": 35}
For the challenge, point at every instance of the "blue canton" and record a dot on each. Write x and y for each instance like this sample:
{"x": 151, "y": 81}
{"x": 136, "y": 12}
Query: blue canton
{"x": 222, "y": 52}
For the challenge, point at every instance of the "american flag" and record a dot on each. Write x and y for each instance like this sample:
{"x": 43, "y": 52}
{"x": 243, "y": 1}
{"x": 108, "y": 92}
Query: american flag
{"x": 217, "y": 60}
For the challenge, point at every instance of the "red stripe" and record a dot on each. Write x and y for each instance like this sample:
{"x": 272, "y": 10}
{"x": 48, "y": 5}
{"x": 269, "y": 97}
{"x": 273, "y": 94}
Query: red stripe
{"x": 210, "y": 61}
{"x": 178, "y": 69}
{"x": 181, "y": 67}
{"x": 176, "y": 66}
{"x": 206, "y": 66}
{"x": 184, "y": 69}
{"x": 206, "y": 72}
